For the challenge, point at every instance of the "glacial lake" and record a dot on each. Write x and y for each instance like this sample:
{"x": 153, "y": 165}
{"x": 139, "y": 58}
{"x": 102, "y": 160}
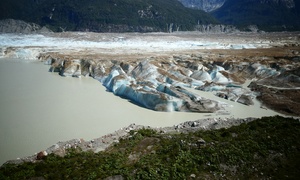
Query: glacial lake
{"x": 39, "y": 108}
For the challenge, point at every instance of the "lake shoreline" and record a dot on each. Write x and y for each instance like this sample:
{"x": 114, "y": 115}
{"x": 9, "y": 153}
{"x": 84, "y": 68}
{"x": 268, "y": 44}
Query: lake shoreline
{"x": 103, "y": 142}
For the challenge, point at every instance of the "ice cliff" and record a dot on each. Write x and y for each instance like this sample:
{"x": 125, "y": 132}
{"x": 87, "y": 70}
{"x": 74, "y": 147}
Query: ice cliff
{"x": 163, "y": 82}
{"x": 151, "y": 87}
{"x": 163, "y": 85}
{"x": 147, "y": 84}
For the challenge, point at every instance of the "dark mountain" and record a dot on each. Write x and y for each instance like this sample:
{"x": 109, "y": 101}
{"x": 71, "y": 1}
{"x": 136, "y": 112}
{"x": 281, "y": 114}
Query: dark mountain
{"x": 269, "y": 15}
{"x": 105, "y": 15}
{"x": 205, "y": 5}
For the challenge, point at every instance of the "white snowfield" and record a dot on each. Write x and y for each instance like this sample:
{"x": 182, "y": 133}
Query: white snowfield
{"x": 29, "y": 46}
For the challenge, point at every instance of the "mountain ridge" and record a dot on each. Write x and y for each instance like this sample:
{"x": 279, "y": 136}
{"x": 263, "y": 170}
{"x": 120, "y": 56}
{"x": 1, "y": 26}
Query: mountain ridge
{"x": 106, "y": 15}
{"x": 269, "y": 15}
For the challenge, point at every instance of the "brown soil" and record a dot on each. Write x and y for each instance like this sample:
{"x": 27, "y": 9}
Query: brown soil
{"x": 285, "y": 101}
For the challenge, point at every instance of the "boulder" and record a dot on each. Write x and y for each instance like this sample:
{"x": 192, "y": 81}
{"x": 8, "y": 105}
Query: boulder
{"x": 244, "y": 99}
{"x": 41, "y": 155}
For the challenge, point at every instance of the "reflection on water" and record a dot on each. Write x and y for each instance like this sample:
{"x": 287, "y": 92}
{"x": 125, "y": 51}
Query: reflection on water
{"x": 38, "y": 109}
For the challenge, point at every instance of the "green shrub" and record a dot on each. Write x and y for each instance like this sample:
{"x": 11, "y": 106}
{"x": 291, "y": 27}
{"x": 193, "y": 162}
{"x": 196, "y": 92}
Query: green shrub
{"x": 265, "y": 148}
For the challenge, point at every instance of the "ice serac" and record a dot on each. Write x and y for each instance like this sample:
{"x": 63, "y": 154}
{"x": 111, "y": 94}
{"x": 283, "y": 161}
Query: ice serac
{"x": 218, "y": 77}
{"x": 146, "y": 84}
{"x": 71, "y": 68}
{"x": 201, "y": 75}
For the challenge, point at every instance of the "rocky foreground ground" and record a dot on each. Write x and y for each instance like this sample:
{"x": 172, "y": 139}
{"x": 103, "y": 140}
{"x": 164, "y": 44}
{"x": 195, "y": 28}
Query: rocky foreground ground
{"x": 156, "y": 70}
{"x": 102, "y": 143}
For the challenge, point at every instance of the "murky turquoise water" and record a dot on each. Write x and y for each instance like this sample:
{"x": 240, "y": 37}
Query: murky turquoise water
{"x": 39, "y": 108}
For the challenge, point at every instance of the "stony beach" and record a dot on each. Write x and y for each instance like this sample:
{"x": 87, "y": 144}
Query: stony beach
{"x": 101, "y": 143}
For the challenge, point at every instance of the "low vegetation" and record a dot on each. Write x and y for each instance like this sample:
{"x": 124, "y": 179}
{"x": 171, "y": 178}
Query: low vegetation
{"x": 262, "y": 149}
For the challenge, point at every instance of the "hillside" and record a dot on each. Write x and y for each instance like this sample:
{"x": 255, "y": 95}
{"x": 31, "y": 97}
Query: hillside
{"x": 269, "y": 15}
{"x": 105, "y": 15}
{"x": 267, "y": 148}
